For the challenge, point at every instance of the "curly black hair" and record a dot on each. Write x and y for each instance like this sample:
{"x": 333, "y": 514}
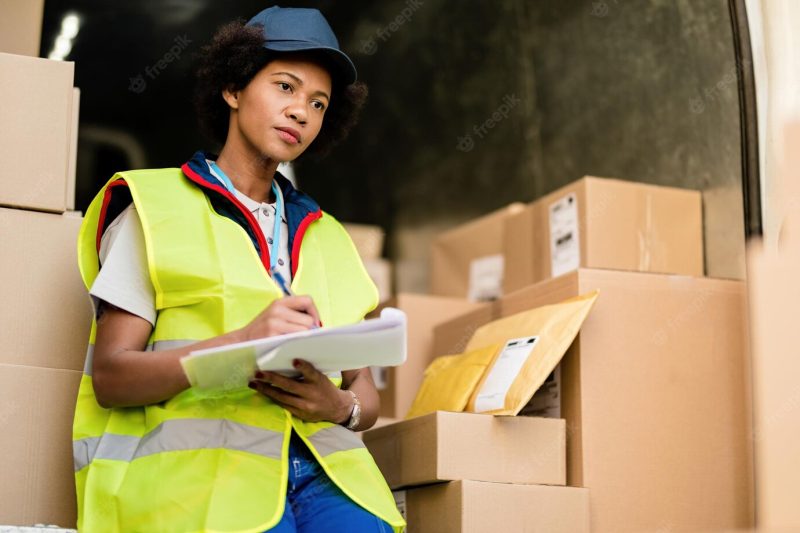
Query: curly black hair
{"x": 233, "y": 58}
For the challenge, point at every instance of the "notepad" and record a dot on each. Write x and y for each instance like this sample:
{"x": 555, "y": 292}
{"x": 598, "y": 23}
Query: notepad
{"x": 375, "y": 342}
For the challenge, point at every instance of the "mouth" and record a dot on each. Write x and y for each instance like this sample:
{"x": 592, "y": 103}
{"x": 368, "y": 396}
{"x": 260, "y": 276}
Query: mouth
{"x": 289, "y": 135}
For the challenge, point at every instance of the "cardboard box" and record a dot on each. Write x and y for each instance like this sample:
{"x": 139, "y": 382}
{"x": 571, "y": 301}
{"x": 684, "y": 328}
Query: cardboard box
{"x": 45, "y": 312}
{"x": 774, "y": 296}
{"x": 380, "y": 271}
{"x": 444, "y": 446}
{"x": 21, "y": 27}
{"x": 397, "y": 386}
{"x": 604, "y": 223}
{"x": 467, "y": 261}
{"x": 39, "y": 133}
{"x": 774, "y": 293}
{"x": 368, "y": 239}
{"x": 477, "y": 507}
{"x": 36, "y": 411}
{"x": 452, "y": 336}
{"x": 654, "y": 393}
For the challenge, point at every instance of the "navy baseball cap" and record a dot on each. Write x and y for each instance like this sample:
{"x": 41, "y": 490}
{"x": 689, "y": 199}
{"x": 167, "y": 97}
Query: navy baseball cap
{"x": 291, "y": 29}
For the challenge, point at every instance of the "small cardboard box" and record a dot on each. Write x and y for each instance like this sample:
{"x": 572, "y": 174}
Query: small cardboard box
{"x": 444, "y": 446}
{"x": 38, "y": 139}
{"x": 604, "y": 223}
{"x": 45, "y": 312}
{"x": 367, "y": 238}
{"x": 21, "y": 27}
{"x": 467, "y": 261}
{"x": 397, "y": 386}
{"x": 655, "y": 395}
{"x": 36, "y": 411}
{"x": 478, "y": 507}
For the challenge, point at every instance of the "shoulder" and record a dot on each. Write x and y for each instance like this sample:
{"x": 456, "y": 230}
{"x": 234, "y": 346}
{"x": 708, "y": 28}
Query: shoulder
{"x": 125, "y": 225}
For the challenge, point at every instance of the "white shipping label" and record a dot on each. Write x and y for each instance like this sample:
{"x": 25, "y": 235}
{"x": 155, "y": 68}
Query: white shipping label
{"x": 486, "y": 278}
{"x": 565, "y": 243}
{"x": 400, "y": 501}
{"x": 546, "y": 403}
{"x": 503, "y": 373}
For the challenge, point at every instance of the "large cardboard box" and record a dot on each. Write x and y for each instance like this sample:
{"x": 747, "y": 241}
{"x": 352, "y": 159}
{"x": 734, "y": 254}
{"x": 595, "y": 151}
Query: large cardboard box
{"x": 36, "y": 410}
{"x": 397, "y": 386}
{"x": 21, "y": 27}
{"x": 774, "y": 293}
{"x": 656, "y": 399}
{"x": 445, "y": 446}
{"x": 478, "y": 507}
{"x": 604, "y": 223}
{"x": 452, "y": 336}
{"x": 39, "y": 133}
{"x": 774, "y": 296}
{"x": 45, "y": 312}
{"x": 467, "y": 261}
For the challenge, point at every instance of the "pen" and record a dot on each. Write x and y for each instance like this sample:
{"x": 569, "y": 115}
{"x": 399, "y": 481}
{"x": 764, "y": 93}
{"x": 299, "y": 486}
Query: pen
{"x": 287, "y": 291}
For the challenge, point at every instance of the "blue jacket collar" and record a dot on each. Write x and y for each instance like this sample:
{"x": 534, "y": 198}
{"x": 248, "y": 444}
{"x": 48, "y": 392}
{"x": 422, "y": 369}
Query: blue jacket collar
{"x": 300, "y": 209}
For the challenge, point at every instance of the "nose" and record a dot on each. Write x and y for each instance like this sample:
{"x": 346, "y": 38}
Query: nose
{"x": 297, "y": 111}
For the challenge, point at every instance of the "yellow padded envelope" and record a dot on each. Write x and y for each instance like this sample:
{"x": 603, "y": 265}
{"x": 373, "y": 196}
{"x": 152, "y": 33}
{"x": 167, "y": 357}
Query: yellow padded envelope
{"x": 556, "y": 326}
{"x": 450, "y": 380}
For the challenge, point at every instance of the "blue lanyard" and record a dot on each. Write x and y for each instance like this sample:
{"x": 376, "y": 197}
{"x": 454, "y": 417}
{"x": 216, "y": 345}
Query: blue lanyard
{"x": 276, "y": 230}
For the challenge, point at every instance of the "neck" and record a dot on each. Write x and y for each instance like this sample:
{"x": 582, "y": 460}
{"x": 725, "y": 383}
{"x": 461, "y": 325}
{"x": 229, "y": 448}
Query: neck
{"x": 250, "y": 172}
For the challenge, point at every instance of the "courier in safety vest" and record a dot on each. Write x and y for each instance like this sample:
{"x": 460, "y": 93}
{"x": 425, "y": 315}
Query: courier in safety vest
{"x": 194, "y": 462}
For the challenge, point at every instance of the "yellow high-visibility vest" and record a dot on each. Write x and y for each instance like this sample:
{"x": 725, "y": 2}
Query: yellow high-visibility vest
{"x": 212, "y": 463}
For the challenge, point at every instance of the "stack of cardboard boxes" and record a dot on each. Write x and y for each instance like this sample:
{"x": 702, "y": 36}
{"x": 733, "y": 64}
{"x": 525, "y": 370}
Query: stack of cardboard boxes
{"x": 46, "y": 315}
{"x": 500, "y": 473}
{"x": 653, "y": 392}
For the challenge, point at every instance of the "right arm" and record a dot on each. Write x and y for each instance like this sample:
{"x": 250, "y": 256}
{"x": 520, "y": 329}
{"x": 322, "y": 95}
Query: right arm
{"x": 125, "y": 375}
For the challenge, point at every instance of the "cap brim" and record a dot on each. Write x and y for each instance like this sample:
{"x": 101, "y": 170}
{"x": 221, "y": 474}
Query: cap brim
{"x": 345, "y": 69}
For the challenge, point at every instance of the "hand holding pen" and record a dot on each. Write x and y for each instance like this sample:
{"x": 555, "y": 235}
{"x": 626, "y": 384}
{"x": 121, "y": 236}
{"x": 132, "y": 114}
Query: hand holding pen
{"x": 289, "y": 314}
{"x": 287, "y": 292}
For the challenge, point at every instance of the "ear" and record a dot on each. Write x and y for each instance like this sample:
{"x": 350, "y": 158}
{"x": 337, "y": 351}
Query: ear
{"x": 231, "y": 97}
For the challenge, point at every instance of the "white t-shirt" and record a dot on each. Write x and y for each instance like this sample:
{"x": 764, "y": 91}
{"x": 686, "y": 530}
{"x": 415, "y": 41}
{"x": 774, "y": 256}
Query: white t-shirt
{"x": 124, "y": 277}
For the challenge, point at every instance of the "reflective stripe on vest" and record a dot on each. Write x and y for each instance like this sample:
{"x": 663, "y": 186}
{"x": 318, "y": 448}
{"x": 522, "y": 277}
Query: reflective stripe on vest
{"x": 196, "y": 463}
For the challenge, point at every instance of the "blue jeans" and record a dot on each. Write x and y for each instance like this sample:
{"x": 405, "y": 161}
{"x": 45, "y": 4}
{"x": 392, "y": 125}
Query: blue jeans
{"x": 315, "y": 504}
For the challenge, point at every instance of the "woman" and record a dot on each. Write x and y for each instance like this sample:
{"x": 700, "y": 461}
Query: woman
{"x": 188, "y": 258}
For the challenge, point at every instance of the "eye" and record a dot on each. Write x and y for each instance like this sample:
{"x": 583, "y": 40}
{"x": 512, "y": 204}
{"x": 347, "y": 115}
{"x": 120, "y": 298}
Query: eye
{"x": 284, "y": 86}
{"x": 319, "y": 106}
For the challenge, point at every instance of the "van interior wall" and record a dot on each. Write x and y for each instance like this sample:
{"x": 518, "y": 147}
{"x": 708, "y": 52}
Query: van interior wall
{"x": 475, "y": 106}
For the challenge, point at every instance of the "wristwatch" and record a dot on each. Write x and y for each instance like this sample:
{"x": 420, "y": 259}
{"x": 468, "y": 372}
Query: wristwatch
{"x": 355, "y": 414}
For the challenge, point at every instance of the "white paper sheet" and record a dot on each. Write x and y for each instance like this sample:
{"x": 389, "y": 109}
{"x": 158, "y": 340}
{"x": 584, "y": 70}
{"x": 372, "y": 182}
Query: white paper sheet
{"x": 376, "y": 342}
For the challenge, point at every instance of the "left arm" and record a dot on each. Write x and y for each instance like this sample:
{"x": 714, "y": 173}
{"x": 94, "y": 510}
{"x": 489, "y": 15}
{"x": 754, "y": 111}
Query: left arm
{"x": 316, "y": 398}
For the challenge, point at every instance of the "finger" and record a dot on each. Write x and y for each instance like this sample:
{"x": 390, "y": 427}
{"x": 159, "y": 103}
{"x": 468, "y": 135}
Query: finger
{"x": 303, "y": 304}
{"x": 295, "y": 317}
{"x": 279, "y": 326}
{"x": 309, "y": 372}
{"x": 278, "y": 396}
{"x": 282, "y": 382}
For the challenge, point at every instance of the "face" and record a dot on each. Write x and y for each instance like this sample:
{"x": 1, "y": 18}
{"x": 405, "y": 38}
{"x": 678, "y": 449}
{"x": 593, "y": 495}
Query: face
{"x": 279, "y": 113}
